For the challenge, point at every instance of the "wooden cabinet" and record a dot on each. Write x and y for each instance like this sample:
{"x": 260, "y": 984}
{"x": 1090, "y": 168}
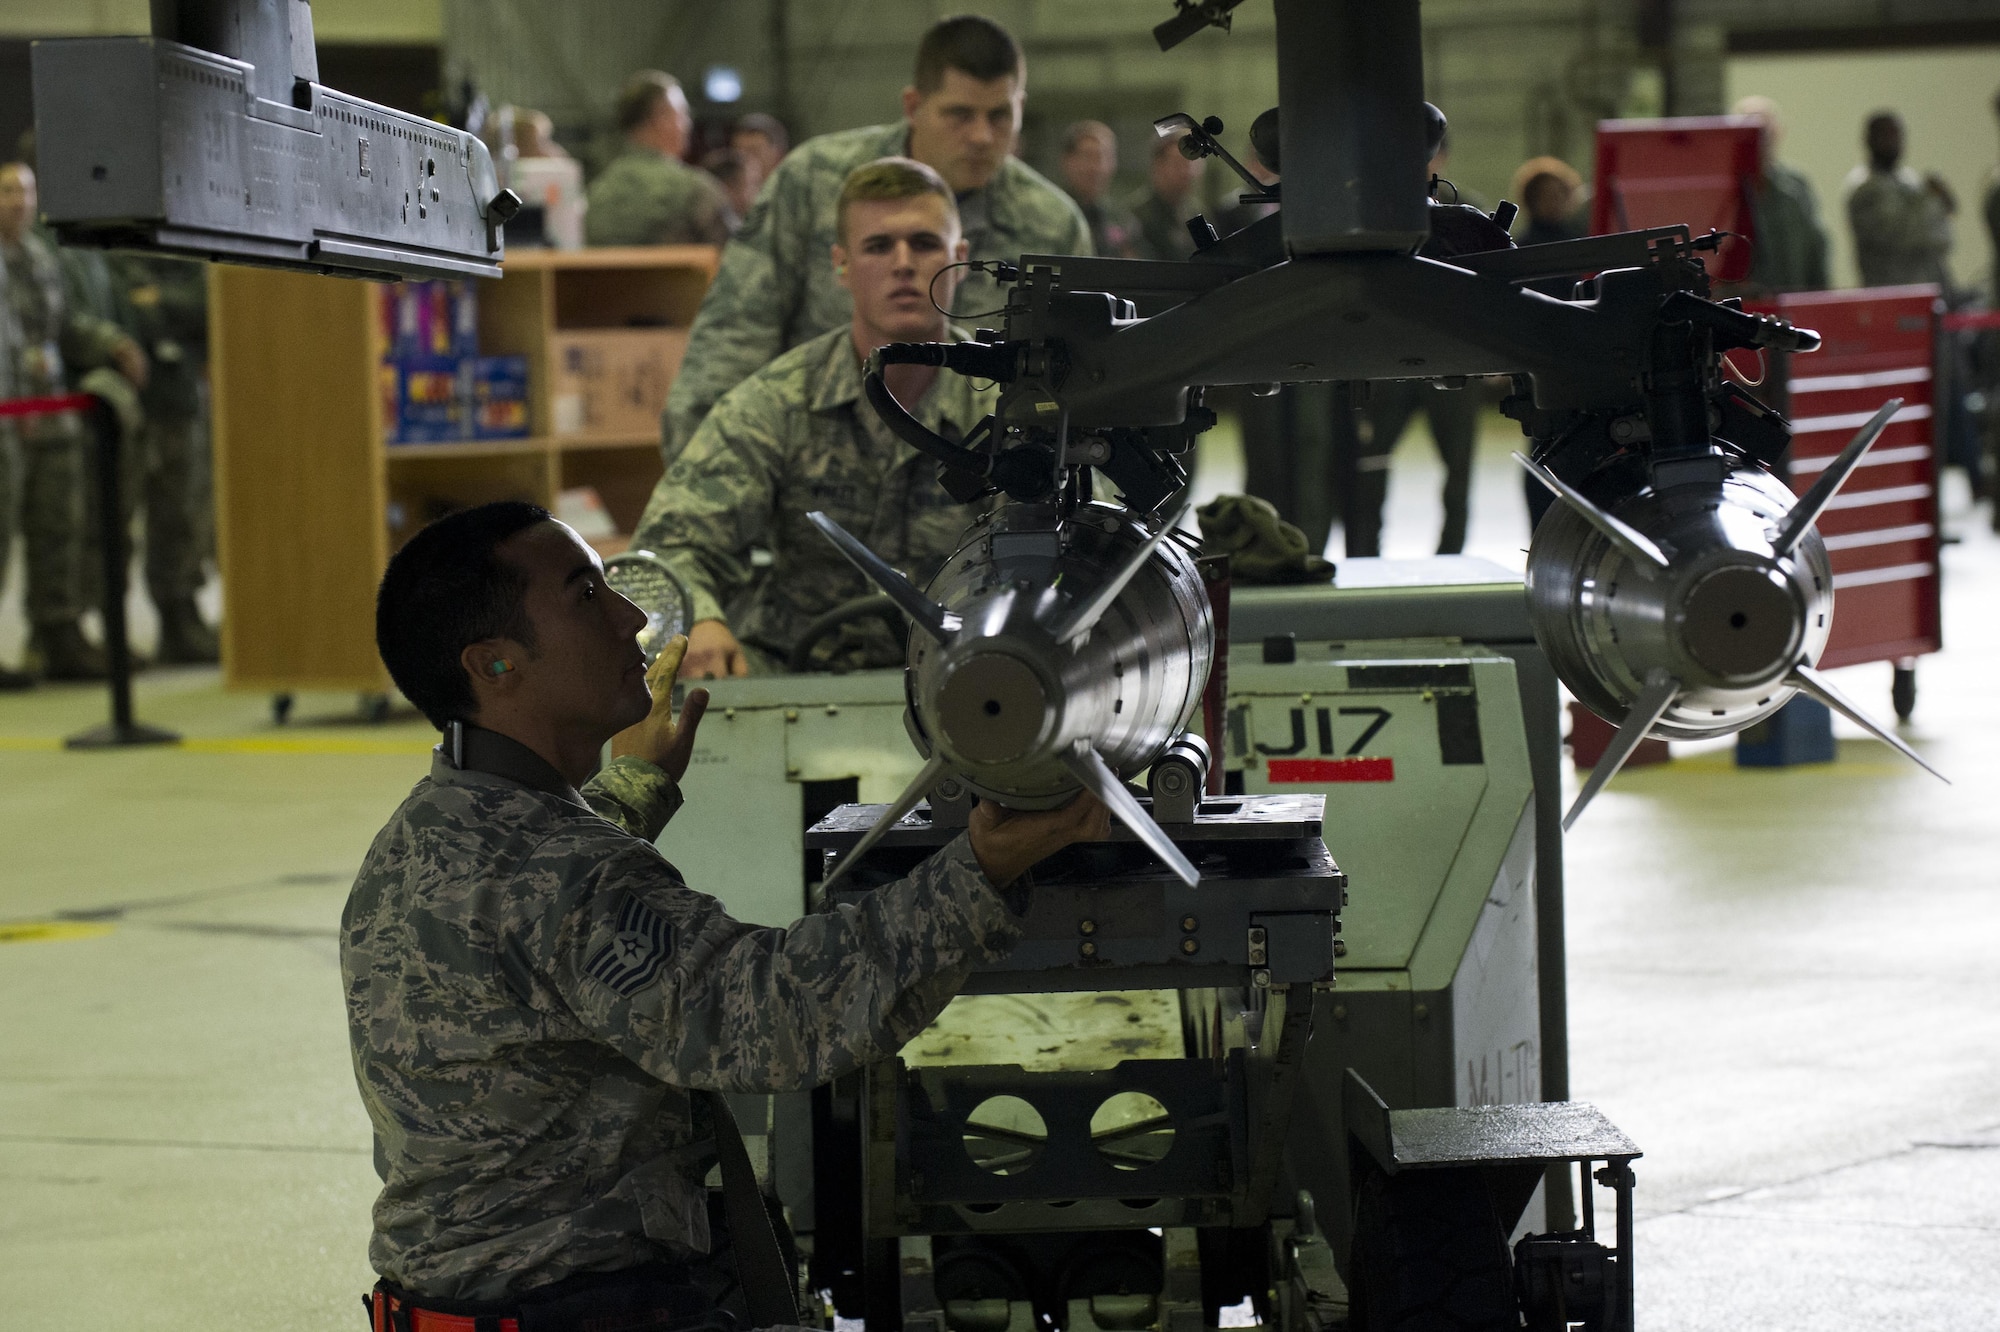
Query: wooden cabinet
{"x": 311, "y": 499}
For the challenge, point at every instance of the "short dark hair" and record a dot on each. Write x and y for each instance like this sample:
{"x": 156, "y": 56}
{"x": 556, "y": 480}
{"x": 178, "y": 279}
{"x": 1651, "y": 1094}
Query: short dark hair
{"x": 641, "y": 93}
{"x": 446, "y": 589}
{"x": 759, "y": 122}
{"x": 970, "y": 44}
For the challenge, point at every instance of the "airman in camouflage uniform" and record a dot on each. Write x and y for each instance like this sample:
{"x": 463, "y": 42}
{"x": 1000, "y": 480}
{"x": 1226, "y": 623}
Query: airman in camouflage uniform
{"x": 539, "y": 1007}
{"x": 795, "y": 437}
{"x": 647, "y": 195}
{"x": 776, "y": 287}
{"x": 42, "y": 482}
{"x": 169, "y": 303}
{"x": 533, "y": 993}
{"x": 646, "y": 198}
{"x": 1901, "y": 221}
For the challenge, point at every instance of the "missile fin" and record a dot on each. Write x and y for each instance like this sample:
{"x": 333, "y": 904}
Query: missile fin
{"x": 930, "y": 617}
{"x": 1636, "y": 545}
{"x": 1818, "y": 686}
{"x": 919, "y": 787}
{"x": 1803, "y": 514}
{"x": 1082, "y": 617}
{"x": 1089, "y": 767}
{"x": 1654, "y": 699}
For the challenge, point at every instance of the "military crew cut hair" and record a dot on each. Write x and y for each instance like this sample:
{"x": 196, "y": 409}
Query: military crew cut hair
{"x": 445, "y": 590}
{"x": 888, "y": 178}
{"x": 973, "y": 45}
{"x": 641, "y": 93}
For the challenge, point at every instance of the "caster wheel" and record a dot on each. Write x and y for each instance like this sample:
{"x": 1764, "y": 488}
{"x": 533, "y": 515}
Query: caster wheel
{"x": 375, "y": 707}
{"x": 1903, "y": 691}
{"x": 281, "y": 709}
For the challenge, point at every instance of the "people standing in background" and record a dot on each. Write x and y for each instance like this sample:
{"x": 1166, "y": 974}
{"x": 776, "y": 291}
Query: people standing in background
{"x": 169, "y": 302}
{"x": 42, "y": 477}
{"x": 762, "y": 142}
{"x": 1454, "y": 421}
{"x": 648, "y": 195}
{"x": 1169, "y": 200}
{"x": 777, "y": 287}
{"x": 1089, "y": 162}
{"x": 1901, "y": 221}
{"x": 1789, "y": 253}
{"x": 738, "y": 178}
{"x": 1551, "y": 195}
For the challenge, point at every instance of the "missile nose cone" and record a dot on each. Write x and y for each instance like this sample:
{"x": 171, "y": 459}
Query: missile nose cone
{"x": 1742, "y": 622}
{"x": 992, "y": 708}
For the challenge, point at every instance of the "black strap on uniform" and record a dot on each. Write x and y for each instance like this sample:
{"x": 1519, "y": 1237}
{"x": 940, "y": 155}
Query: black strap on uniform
{"x": 768, "y": 1286}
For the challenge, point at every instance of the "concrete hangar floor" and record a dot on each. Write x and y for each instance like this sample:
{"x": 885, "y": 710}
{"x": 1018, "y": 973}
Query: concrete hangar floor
{"x": 1782, "y": 987}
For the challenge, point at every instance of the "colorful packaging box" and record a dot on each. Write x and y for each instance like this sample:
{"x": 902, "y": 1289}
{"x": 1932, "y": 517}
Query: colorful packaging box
{"x": 427, "y": 399}
{"x": 499, "y": 397}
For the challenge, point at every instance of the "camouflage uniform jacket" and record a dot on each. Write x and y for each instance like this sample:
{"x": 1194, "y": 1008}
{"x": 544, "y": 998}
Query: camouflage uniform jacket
{"x": 532, "y": 991}
{"x": 1114, "y": 228}
{"x": 795, "y": 437}
{"x": 776, "y": 286}
{"x": 169, "y": 302}
{"x": 1901, "y": 231}
{"x": 49, "y": 339}
{"x": 647, "y": 198}
{"x": 1163, "y": 232}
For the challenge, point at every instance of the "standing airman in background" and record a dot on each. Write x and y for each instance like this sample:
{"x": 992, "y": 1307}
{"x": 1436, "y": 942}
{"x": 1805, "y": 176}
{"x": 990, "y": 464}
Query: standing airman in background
{"x": 777, "y": 288}
{"x": 1901, "y": 221}
{"x": 1790, "y": 249}
{"x": 1089, "y": 162}
{"x": 168, "y": 299}
{"x": 647, "y": 195}
{"x": 49, "y": 340}
{"x": 1169, "y": 201}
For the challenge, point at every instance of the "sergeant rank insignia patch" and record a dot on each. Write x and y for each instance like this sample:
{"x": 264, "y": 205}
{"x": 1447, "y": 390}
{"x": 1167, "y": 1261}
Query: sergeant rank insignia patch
{"x": 636, "y": 953}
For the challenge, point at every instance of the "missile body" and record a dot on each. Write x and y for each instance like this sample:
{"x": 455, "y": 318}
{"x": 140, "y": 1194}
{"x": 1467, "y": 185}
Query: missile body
{"x": 1006, "y": 700}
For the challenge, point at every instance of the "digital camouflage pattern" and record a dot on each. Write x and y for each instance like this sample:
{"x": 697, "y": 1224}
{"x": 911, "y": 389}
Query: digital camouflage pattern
{"x": 168, "y": 299}
{"x": 533, "y": 993}
{"x": 647, "y": 198}
{"x": 794, "y": 437}
{"x": 776, "y": 288}
{"x": 1901, "y": 230}
{"x": 42, "y": 459}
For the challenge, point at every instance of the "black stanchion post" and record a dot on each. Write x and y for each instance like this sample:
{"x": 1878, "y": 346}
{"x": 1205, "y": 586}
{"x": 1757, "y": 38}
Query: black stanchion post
{"x": 122, "y": 729}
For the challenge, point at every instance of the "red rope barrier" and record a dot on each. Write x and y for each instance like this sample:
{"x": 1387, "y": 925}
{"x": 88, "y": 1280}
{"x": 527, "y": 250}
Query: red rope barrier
{"x": 61, "y": 402}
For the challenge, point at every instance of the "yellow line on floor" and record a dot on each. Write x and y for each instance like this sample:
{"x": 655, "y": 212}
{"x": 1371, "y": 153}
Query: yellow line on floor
{"x": 247, "y": 744}
{"x": 48, "y": 931}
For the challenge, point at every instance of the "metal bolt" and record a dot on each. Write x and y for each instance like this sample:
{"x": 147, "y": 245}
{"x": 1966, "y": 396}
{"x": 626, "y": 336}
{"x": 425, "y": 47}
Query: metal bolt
{"x": 1340, "y": 948}
{"x": 1189, "y": 924}
{"x": 1086, "y": 927}
{"x": 1190, "y": 946}
{"x": 1422, "y": 1011}
{"x": 1087, "y": 948}
{"x": 791, "y": 714}
{"x": 1261, "y": 979}
{"x": 1305, "y": 698}
{"x": 832, "y": 710}
{"x": 791, "y": 771}
{"x": 1256, "y": 944}
{"x": 1340, "y": 1012}
{"x": 729, "y": 714}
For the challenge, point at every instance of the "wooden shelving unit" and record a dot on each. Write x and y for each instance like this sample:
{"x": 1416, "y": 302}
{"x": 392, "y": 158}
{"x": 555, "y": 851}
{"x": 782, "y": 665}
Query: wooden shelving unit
{"x": 310, "y": 498}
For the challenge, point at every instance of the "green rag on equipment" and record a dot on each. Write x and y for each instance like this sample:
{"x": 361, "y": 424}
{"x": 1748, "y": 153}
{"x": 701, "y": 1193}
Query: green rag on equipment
{"x": 1261, "y": 546}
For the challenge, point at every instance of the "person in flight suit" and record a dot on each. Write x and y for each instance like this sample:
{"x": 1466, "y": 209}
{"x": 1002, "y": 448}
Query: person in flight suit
{"x": 775, "y": 289}
{"x": 542, "y": 1013}
{"x": 798, "y": 436}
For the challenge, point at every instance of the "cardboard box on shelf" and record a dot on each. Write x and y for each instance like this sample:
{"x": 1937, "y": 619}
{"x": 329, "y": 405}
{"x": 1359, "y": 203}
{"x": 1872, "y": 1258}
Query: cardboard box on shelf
{"x": 612, "y": 381}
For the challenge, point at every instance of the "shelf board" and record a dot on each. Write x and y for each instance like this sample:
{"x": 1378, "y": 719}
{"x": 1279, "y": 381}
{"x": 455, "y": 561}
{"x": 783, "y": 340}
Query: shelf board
{"x": 703, "y": 257}
{"x": 498, "y": 448}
